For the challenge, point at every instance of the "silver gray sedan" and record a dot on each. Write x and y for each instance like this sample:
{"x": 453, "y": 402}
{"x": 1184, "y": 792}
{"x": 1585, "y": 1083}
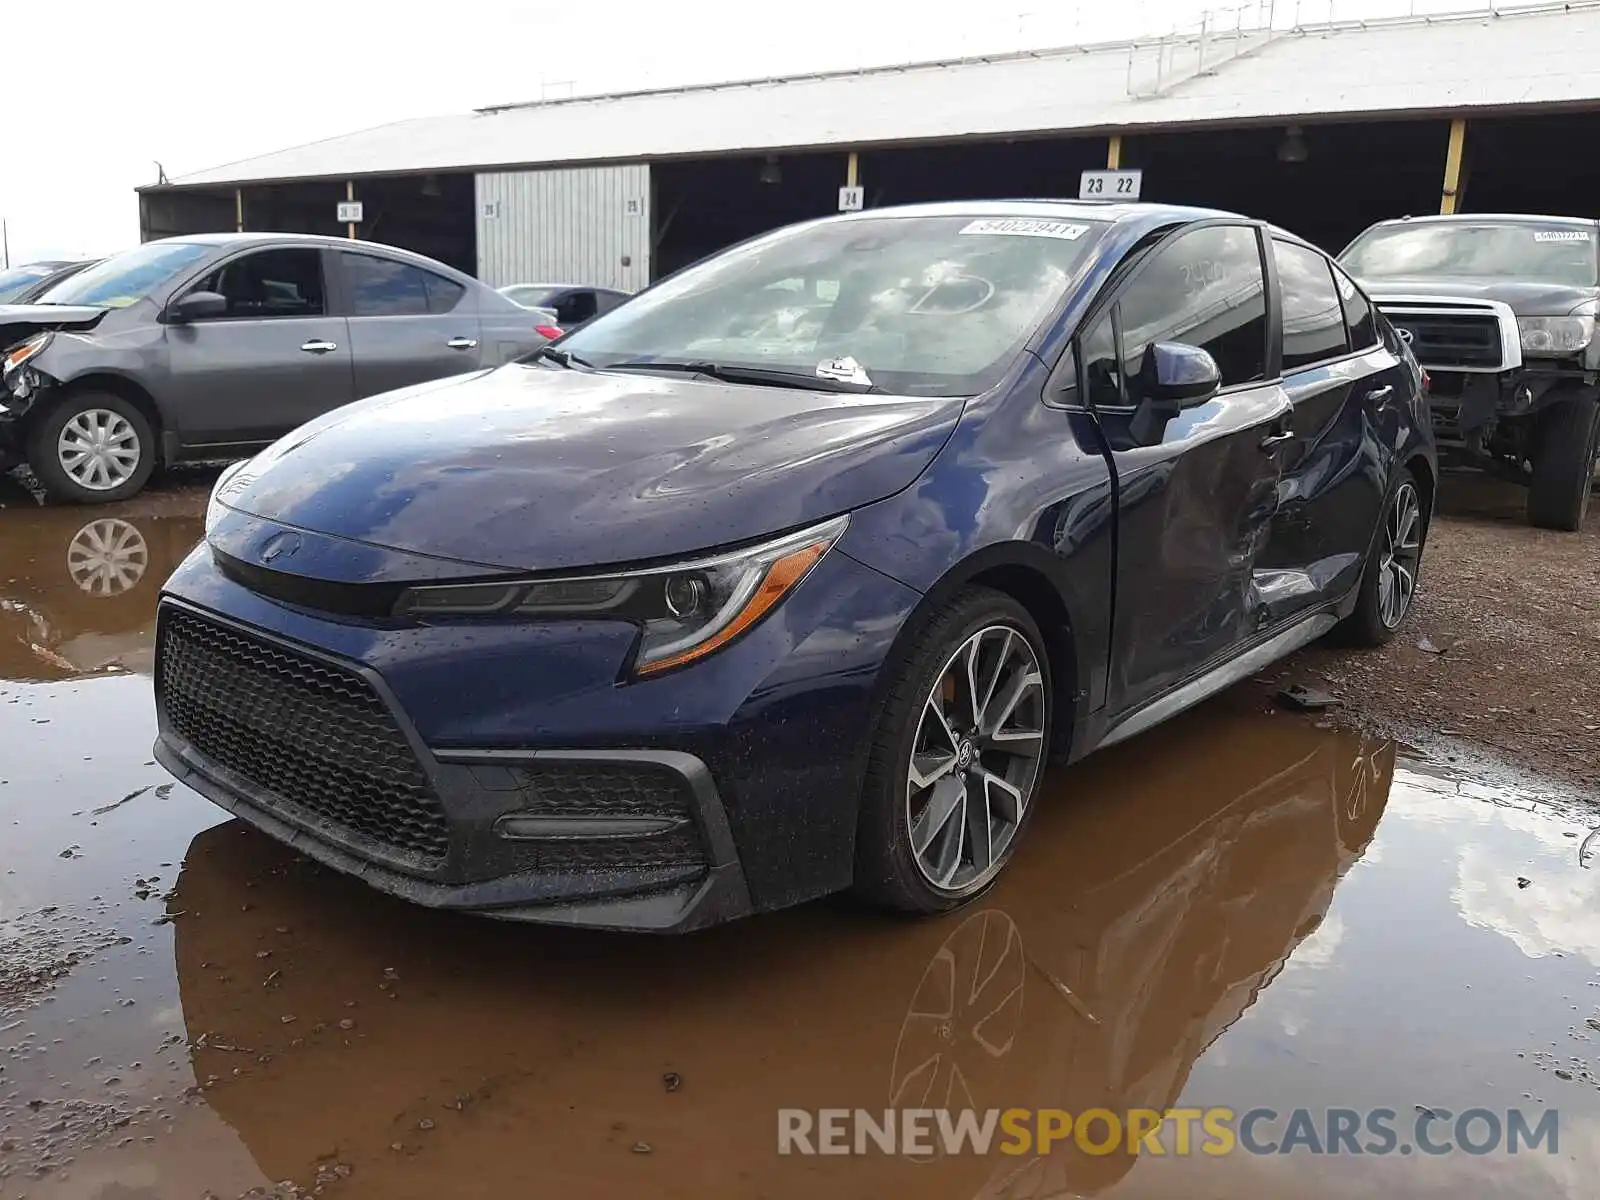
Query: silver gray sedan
{"x": 214, "y": 345}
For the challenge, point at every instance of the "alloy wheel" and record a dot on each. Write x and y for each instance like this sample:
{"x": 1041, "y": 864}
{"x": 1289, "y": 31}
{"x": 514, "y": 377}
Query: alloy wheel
{"x": 107, "y": 557}
{"x": 99, "y": 449}
{"x": 1402, "y": 554}
{"x": 975, "y": 759}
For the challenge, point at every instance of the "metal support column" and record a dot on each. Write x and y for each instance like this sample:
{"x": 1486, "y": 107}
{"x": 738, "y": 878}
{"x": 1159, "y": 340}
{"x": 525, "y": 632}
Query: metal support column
{"x": 852, "y": 171}
{"x": 350, "y": 194}
{"x": 1114, "y": 152}
{"x": 238, "y": 210}
{"x": 1451, "y": 200}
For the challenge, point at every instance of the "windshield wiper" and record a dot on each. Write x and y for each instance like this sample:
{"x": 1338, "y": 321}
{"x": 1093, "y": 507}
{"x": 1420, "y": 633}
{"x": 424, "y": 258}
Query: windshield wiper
{"x": 563, "y": 357}
{"x": 763, "y": 376}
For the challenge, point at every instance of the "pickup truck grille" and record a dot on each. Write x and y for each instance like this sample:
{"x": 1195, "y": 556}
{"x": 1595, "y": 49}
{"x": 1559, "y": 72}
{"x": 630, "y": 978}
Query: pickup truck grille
{"x": 1448, "y": 338}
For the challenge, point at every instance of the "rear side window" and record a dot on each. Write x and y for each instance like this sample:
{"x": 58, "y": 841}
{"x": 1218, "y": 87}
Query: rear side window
{"x": 1313, "y": 321}
{"x": 381, "y": 287}
{"x": 1358, "y": 320}
{"x": 1204, "y": 288}
{"x": 443, "y": 294}
{"x": 575, "y": 308}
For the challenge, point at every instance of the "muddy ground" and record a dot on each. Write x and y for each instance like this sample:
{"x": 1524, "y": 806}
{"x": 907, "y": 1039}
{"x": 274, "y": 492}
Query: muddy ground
{"x": 1502, "y": 652}
{"x": 1244, "y": 907}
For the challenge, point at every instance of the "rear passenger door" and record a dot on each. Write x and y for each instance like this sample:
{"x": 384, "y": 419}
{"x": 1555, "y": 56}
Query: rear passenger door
{"x": 1195, "y": 500}
{"x": 1340, "y": 378}
{"x": 407, "y": 324}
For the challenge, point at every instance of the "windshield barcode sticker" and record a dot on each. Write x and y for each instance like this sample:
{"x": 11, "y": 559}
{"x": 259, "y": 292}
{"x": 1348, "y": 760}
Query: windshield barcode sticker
{"x": 1560, "y": 235}
{"x": 1027, "y": 227}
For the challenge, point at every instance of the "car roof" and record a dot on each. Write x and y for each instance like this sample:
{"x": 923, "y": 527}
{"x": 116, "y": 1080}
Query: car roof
{"x": 225, "y": 240}
{"x": 1488, "y": 218}
{"x": 556, "y": 287}
{"x": 1076, "y": 210}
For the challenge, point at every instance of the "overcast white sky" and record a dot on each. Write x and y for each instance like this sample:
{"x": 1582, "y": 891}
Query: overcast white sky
{"x": 107, "y": 88}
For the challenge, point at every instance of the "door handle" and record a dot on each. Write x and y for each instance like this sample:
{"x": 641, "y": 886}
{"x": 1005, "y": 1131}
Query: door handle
{"x": 319, "y": 346}
{"x": 1378, "y": 395}
{"x": 462, "y": 343}
{"x": 1273, "y": 440}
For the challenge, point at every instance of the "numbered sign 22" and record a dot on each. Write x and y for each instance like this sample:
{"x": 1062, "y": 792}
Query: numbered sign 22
{"x": 1110, "y": 185}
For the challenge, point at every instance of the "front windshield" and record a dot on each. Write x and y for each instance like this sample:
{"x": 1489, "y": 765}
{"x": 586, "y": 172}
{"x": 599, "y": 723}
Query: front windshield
{"x": 15, "y": 282}
{"x": 126, "y": 278}
{"x": 1563, "y": 254}
{"x": 934, "y": 306}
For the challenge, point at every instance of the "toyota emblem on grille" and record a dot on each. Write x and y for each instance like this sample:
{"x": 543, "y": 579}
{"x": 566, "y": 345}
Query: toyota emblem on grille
{"x": 1407, "y": 336}
{"x": 278, "y": 545}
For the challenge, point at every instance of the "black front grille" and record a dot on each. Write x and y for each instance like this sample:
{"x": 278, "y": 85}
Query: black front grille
{"x": 591, "y": 788}
{"x": 1452, "y": 339}
{"x": 314, "y": 736}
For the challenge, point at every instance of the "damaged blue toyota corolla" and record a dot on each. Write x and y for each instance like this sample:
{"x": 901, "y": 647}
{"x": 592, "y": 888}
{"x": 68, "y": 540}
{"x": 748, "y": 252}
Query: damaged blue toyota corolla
{"x": 789, "y": 575}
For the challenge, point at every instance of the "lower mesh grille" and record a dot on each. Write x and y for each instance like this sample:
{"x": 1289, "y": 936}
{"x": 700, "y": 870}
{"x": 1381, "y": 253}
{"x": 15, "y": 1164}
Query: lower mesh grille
{"x": 314, "y": 736}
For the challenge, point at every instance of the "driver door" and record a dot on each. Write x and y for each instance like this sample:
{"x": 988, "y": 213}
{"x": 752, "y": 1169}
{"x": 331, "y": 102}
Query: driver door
{"x": 1196, "y": 495}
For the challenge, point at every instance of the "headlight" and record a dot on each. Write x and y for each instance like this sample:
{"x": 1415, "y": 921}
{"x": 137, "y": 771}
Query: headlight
{"x": 214, "y": 505}
{"x": 1552, "y": 337}
{"x": 19, "y": 355}
{"x": 686, "y": 610}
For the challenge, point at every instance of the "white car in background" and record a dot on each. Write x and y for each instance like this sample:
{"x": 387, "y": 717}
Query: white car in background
{"x": 568, "y": 304}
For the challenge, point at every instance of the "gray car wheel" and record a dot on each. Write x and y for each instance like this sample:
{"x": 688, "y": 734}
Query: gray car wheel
{"x": 92, "y": 448}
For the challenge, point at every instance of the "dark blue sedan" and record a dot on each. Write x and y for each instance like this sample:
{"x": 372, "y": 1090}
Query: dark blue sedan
{"x": 790, "y": 574}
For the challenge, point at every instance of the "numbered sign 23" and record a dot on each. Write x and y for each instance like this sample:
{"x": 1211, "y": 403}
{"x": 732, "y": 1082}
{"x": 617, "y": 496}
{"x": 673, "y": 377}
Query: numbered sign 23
{"x": 1110, "y": 185}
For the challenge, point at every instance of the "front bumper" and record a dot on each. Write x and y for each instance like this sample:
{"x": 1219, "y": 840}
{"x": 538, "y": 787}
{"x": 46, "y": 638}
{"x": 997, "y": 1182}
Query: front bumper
{"x": 502, "y": 770}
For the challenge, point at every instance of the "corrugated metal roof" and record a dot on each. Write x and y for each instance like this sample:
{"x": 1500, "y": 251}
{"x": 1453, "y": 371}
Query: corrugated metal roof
{"x": 1549, "y": 55}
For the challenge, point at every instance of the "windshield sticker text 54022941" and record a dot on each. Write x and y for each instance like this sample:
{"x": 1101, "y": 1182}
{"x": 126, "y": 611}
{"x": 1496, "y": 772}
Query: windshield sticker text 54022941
{"x": 1027, "y": 227}
{"x": 1561, "y": 235}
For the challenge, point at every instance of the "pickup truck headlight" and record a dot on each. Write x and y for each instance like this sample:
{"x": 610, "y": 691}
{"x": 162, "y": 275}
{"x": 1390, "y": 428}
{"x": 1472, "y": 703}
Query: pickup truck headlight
{"x": 214, "y": 505}
{"x": 1555, "y": 337}
{"x": 685, "y": 610}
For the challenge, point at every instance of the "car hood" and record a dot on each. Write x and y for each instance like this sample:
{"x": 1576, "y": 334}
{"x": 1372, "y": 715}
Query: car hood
{"x": 1526, "y": 299}
{"x": 19, "y": 321}
{"x": 533, "y": 467}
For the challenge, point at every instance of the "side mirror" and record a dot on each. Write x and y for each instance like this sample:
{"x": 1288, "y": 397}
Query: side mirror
{"x": 1172, "y": 377}
{"x": 197, "y": 306}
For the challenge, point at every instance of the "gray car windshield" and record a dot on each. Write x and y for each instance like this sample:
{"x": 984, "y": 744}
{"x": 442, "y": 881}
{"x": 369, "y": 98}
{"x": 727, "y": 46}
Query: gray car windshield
{"x": 1564, "y": 254}
{"x": 909, "y": 305}
{"x": 126, "y": 278}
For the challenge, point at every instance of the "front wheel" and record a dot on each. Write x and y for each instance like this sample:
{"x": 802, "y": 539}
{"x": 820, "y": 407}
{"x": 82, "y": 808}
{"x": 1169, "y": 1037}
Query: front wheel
{"x": 956, "y": 760}
{"x": 1389, "y": 581}
{"x": 92, "y": 448}
{"x": 1563, "y": 464}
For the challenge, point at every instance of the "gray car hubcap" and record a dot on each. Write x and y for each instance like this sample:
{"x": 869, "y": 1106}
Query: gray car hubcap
{"x": 1402, "y": 552}
{"x": 98, "y": 449}
{"x": 975, "y": 759}
{"x": 107, "y": 557}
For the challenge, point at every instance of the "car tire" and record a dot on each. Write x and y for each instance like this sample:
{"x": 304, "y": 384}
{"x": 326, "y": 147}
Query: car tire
{"x": 1398, "y": 543}
{"x": 1563, "y": 464}
{"x": 78, "y": 420}
{"x": 977, "y": 773}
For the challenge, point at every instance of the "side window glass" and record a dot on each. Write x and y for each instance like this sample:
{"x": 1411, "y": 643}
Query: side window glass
{"x": 575, "y": 308}
{"x": 270, "y": 283}
{"x": 381, "y": 287}
{"x": 1313, "y": 322}
{"x": 1205, "y": 288}
{"x": 1102, "y": 375}
{"x": 443, "y": 294}
{"x": 1358, "y": 319}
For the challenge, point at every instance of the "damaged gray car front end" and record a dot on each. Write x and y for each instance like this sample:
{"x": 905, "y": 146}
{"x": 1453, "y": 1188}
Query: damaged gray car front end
{"x": 1501, "y": 313}
{"x": 29, "y": 370}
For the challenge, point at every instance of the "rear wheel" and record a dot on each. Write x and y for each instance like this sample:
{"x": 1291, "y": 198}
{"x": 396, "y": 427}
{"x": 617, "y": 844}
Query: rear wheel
{"x": 92, "y": 448}
{"x": 957, "y": 757}
{"x": 1389, "y": 581}
{"x": 1563, "y": 463}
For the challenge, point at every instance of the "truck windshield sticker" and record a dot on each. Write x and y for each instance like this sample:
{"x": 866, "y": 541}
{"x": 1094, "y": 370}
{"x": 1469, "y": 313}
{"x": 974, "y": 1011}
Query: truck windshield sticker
{"x": 1027, "y": 227}
{"x": 1561, "y": 235}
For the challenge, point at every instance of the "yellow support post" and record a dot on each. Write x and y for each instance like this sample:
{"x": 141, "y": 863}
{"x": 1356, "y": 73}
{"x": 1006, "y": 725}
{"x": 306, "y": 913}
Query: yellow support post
{"x": 1114, "y": 152}
{"x": 238, "y": 210}
{"x": 1451, "y": 199}
{"x": 350, "y": 194}
{"x": 852, "y": 171}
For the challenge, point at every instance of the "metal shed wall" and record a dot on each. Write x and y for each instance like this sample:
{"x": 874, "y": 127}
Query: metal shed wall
{"x": 575, "y": 225}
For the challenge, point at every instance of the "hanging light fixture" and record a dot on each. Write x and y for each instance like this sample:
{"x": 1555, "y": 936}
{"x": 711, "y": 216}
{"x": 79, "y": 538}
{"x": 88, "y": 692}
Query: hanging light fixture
{"x": 771, "y": 172}
{"x": 1293, "y": 147}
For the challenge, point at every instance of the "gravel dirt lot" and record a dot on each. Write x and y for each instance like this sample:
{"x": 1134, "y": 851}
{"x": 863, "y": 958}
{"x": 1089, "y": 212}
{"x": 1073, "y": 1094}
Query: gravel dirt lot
{"x": 1502, "y": 652}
